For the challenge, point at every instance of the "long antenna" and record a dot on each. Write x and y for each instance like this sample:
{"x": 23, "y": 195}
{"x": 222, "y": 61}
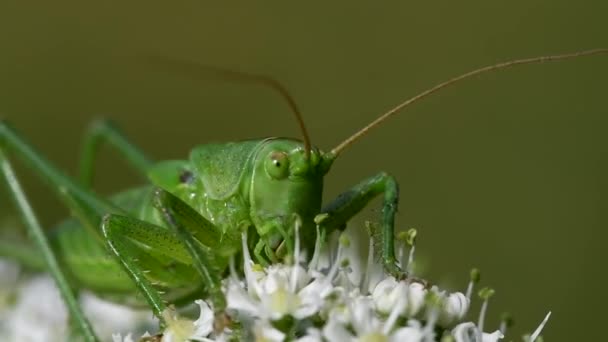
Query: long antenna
{"x": 206, "y": 71}
{"x": 350, "y": 140}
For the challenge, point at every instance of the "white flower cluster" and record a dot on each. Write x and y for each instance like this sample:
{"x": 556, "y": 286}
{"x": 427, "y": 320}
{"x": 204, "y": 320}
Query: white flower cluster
{"x": 31, "y": 310}
{"x": 312, "y": 301}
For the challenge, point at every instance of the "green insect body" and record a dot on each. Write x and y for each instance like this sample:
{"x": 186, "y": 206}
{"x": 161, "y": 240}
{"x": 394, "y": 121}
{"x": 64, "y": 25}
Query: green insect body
{"x": 172, "y": 241}
{"x": 265, "y": 183}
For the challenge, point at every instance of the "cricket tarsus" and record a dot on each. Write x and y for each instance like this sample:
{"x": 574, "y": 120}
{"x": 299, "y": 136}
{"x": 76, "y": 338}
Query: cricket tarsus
{"x": 350, "y": 140}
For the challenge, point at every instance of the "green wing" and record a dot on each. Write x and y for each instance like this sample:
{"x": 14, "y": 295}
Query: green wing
{"x": 222, "y": 166}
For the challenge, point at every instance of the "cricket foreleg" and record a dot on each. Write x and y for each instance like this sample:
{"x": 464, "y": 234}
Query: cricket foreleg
{"x": 40, "y": 239}
{"x": 186, "y": 222}
{"x": 103, "y": 131}
{"x": 348, "y": 204}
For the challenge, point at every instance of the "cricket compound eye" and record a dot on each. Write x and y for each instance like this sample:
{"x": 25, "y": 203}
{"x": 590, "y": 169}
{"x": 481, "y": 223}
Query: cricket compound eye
{"x": 277, "y": 165}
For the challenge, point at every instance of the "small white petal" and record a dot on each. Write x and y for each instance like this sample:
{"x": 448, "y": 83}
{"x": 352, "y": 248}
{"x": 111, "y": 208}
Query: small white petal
{"x": 303, "y": 278}
{"x": 385, "y": 295}
{"x": 119, "y": 338}
{"x": 239, "y": 300}
{"x": 539, "y": 329}
{"x": 493, "y": 337}
{"x": 312, "y": 335}
{"x": 340, "y": 313}
{"x": 455, "y": 307}
{"x": 465, "y": 332}
{"x": 178, "y": 329}
{"x": 407, "y": 334}
{"x": 468, "y": 332}
{"x": 334, "y": 331}
{"x": 204, "y": 324}
{"x": 362, "y": 315}
{"x": 276, "y": 277}
{"x": 267, "y": 333}
{"x": 280, "y": 303}
{"x": 312, "y": 297}
{"x": 416, "y": 294}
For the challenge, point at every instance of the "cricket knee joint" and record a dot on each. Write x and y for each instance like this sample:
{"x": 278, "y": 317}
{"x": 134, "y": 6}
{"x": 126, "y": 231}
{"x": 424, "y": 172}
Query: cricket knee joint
{"x": 99, "y": 126}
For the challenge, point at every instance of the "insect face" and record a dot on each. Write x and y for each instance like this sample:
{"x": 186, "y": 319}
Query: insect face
{"x": 286, "y": 184}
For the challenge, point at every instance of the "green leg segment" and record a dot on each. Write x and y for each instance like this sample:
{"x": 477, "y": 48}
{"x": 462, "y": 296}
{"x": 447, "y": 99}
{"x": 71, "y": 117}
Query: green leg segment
{"x": 117, "y": 230}
{"x": 69, "y": 191}
{"x": 103, "y": 131}
{"x": 11, "y": 141}
{"x": 186, "y": 222}
{"x": 258, "y": 253}
{"x": 348, "y": 204}
{"x": 41, "y": 241}
{"x": 163, "y": 256}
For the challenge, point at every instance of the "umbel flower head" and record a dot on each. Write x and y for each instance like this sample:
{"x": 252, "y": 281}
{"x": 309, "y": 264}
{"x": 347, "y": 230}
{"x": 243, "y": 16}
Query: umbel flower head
{"x": 319, "y": 301}
{"x": 305, "y": 301}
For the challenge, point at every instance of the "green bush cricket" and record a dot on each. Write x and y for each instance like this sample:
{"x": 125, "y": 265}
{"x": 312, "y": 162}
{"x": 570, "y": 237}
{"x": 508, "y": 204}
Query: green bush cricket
{"x": 172, "y": 241}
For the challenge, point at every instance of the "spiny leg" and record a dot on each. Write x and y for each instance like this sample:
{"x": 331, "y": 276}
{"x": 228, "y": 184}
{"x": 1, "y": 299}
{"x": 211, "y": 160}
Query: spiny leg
{"x": 36, "y": 233}
{"x": 185, "y": 221}
{"x": 120, "y": 233}
{"x": 348, "y": 204}
{"x": 103, "y": 131}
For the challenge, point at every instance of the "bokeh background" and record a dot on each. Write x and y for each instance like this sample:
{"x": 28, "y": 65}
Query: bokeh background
{"x": 506, "y": 172}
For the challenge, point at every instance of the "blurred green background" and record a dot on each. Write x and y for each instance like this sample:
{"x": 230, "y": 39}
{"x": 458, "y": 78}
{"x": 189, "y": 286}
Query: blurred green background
{"x": 505, "y": 172}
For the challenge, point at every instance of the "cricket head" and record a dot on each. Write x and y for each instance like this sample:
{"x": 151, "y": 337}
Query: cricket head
{"x": 287, "y": 185}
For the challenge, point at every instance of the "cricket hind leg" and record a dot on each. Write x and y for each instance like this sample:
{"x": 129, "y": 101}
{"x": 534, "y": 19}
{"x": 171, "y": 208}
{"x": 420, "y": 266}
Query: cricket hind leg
{"x": 337, "y": 213}
{"x": 104, "y": 131}
{"x": 41, "y": 241}
{"x": 74, "y": 196}
{"x": 61, "y": 184}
